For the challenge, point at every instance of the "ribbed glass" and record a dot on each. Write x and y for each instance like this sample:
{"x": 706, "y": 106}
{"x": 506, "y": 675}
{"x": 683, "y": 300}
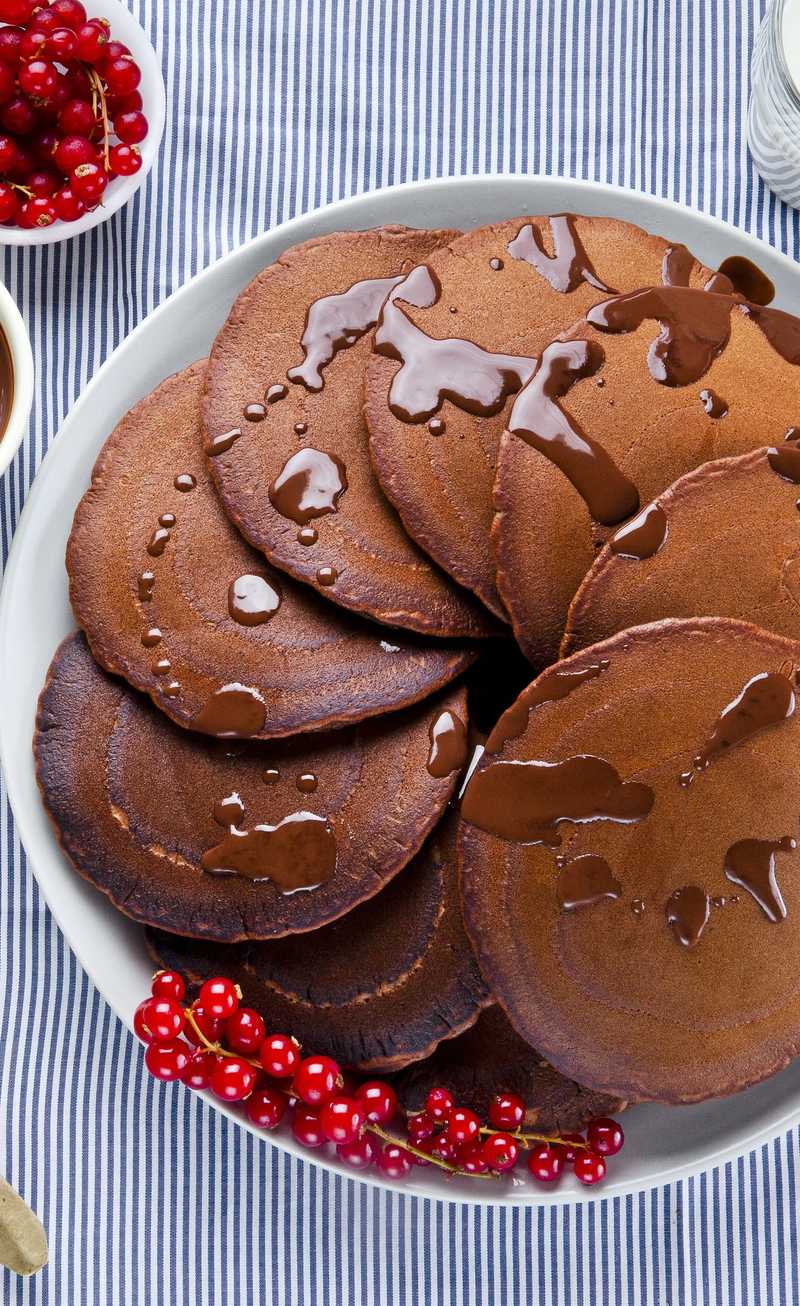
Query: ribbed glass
{"x": 773, "y": 125}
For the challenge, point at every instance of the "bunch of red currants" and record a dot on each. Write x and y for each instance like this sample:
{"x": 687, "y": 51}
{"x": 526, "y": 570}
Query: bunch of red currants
{"x": 70, "y": 112}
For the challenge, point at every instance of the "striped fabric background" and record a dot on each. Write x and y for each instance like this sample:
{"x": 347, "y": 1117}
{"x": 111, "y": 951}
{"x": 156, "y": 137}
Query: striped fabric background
{"x": 276, "y": 106}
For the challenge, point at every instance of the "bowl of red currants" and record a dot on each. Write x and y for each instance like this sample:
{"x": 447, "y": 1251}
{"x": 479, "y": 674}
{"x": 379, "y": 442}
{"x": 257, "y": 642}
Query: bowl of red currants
{"x": 81, "y": 115}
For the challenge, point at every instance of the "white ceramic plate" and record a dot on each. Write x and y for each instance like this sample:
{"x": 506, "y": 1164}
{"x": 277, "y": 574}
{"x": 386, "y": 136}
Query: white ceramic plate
{"x": 663, "y": 1143}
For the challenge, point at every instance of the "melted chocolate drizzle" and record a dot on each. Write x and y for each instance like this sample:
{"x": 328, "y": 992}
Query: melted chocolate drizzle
{"x": 297, "y": 853}
{"x": 751, "y": 864}
{"x": 714, "y": 405}
{"x": 158, "y": 541}
{"x": 584, "y": 882}
{"x": 786, "y": 461}
{"x": 569, "y": 265}
{"x": 687, "y": 913}
{"x": 184, "y": 482}
{"x": 145, "y": 585}
{"x": 747, "y": 279}
{"x": 766, "y": 700}
{"x": 525, "y": 801}
{"x": 229, "y": 811}
{"x": 310, "y": 484}
{"x": 252, "y": 600}
{"x": 676, "y": 266}
{"x": 643, "y": 536}
{"x": 539, "y": 420}
{"x": 448, "y": 738}
{"x": 221, "y": 443}
{"x": 234, "y": 711}
{"x": 695, "y": 328}
{"x": 550, "y": 687}
{"x": 335, "y": 322}
{"x": 432, "y": 370}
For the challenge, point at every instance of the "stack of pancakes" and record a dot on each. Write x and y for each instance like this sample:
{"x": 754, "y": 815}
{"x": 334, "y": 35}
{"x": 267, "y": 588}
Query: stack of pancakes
{"x": 314, "y": 576}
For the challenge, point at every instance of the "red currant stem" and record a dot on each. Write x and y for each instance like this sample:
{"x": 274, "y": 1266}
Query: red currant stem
{"x": 15, "y": 185}
{"x": 527, "y": 1139}
{"x": 425, "y": 1156}
{"x": 99, "y": 98}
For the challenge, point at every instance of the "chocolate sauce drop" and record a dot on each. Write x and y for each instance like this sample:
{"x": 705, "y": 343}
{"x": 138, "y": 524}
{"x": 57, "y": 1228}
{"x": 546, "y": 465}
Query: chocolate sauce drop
{"x": 151, "y": 637}
{"x": 643, "y": 536}
{"x": 145, "y": 586}
{"x": 307, "y": 783}
{"x": 310, "y": 484}
{"x": 433, "y": 370}
{"x": 252, "y": 600}
{"x": 786, "y": 462}
{"x": 747, "y": 279}
{"x": 687, "y": 913}
{"x": 676, "y": 266}
{"x": 271, "y": 776}
{"x": 327, "y": 576}
{"x": 184, "y": 482}
{"x": 172, "y": 690}
{"x": 525, "y": 801}
{"x": 276, "y": 392}
{"x": 782, "y": 330}
{"x": 162, "y": 667}
{"x": 638, "y": 907}
{"x": 229, "y": 811}
{"x": 254, "y": 413}
{"x": 307, "y": 535}
{"x": 437, "y": 426}
{"x": 713, "y": 404}
{"x": 751, "y": 864}
{"x": 496, "y": 264}
{"x": 337, "y": 321}
{"x": 539, "y": 420}
{"x": 792, "y": 433}
{"x": 695, "y": 328}
{"x": 300, "y": 428}
{"x": 584, "y": 882}
{"x": 168, "y": 519}
{"x": 448, "y": 738}
{"x": 550, "y": 687}
{"x": 297, "y": 853}
{"x": 234, "y": 711}
{"x": 569, "y": 264}
{"x": 158, "y": 542}
{"x": 221, "y": 443}
{"x": 766, "y": 700}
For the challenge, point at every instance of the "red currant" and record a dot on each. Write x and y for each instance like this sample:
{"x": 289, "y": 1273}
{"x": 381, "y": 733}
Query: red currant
{"x": 7, "y": 83}
{"x": 589, "y": 1168}
{"x": 233, "y": 1079}
{"x": 140, "y": 1026}
{"x": 70, "y": 13}
{"x": 244, "y": 1031}
{"x": 78, "y": 85}
{"x": 394, "y": 1161}
{"x": 15, "y": 11}
{"x": 10, "y": 42}
{"x": 164, "y": 1017}
{"x": 131, "y": 126}
{"x": 42, "y": 182}
{"x": 38, "y": 79}
{"x": 92, "y": 43}
{"x": 18, "y": 116}
{"x": 168, "y": 984}
{"x": 25, "y": 163}
{"x": 317, "y": 1079}
{"x": 506, "y": 1111}
{"x": 605, "y": 1137}
{"x": 8, "y": 153}
{"x": 43, "y": 143}
{"x": 32, "y": 44}
{"x": 420, "y": 1126}
{"x": 280, "y": 1055}
{"x": 120, "y": 72}
{"x": 546, "y": 1163}
{"x": 198, "y": 1070}
{"x": 570, "y": 1145}
{"x": 46, "y": 20}
{"x": 9, "y": 205}
{"x": 359, "y": 1154}
{"x": 167, "y": 1061}
{"x": 342, "y": 1119}
{"x": 124, "y": 160}
{"x": 210, "y": 1026}
{"x": 77, "y": 118}
{"x": 124, "y": 103}
{"x": 472, "y": 1159}
{"x": 218, "y": 996}
{"x": 500, "y": 1152}
{"x": 266, "y": 1107}
{"x": 439, "y": 1146}
{"x": 71, "y": 151}
{"x": 62, "y": 45}
{"x": 306, "y": 1126}
{"x": 37, "y": 212}
{"x": 379, "y": 1101}
{"x": 439, "y": 1103}
{"x": 462, "y": 1126}
{"x": 114, "y": 49}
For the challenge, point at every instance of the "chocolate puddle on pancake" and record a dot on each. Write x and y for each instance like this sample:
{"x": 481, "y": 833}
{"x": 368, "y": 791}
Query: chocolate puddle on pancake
{"x": 679, "y": 981}
{"x": 175, "y": 600}
{"x": 376, "y": 989}
{"x": 724, "y": 541}
{"x": 490, "y": 1057}
{"x": 655, "y": 383}
{"x": 294, "y": 473}
{"x": 455, "y": 345}
{"x": 224, "y": 839}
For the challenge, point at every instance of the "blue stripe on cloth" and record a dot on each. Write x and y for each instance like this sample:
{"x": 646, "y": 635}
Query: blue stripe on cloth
{"x": 276, "y": 106}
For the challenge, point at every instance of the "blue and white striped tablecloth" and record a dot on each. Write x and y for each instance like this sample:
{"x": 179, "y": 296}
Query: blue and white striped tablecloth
{"x": 274, "y": 107}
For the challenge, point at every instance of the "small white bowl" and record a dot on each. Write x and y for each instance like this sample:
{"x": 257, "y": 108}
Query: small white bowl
{"x": 22, "y": 363}
{"x": 125, "y": 28}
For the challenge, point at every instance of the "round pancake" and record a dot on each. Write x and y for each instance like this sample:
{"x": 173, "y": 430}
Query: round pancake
{"x": 629, "y": 865}
{"x": 441, "y": 481}
{"x": 490, "y": 1057}
{"x": 215, "y": 614}
{"x": 378, "y": 988}
{"x": 726, "y": 541}
{"x": 181, "y": 831}
{"x": 307, "y": 449}
{"x": 738, "y": 394}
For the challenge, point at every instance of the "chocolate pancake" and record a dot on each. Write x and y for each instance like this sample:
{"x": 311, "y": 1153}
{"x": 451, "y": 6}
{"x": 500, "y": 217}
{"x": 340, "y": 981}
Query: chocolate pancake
{"x": 497, "y": 295}
{"x": 650, "y": 386}
{"x": 185, "y": 609}
{"x": 490, "y": 1057}
{"x": 378, "y": 988}
{"x": 225, "y": 839}
{"x": 629, "y": 866}
{"x": 723, "y": 541}
{"x": 286, "y": 440}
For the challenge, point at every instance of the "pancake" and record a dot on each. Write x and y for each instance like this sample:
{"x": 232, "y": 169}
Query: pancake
{"x": 490, "y": 1057}
{"x": 630, "y": 871}
{"x": 181, "y": 831}
{"x": 723, "y": 541}
{"x": 435, "y": 448}
{"x": 214, "y": 614}
{"x": 645, "y": 412}
{"x": 378, "y": 988}
{"x": 286, "y": 440}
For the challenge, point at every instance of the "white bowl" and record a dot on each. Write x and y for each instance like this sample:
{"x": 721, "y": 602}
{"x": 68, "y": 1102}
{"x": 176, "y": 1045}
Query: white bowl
{"x": 125, "y": 28}
{"x": 22, "y": 361}
{"x": 663, "y": 1143}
